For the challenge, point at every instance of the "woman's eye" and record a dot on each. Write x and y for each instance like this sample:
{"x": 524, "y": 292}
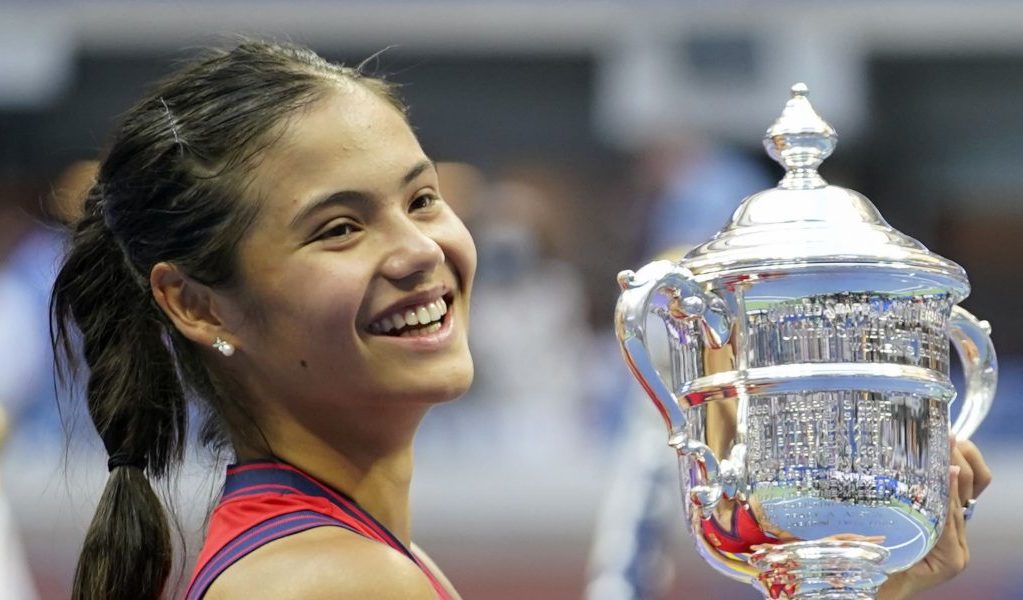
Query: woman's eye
{"x": 423, "y": 201}
{"x": 340, "y": 230}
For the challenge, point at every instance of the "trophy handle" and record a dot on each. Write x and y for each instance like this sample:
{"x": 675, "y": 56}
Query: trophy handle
{"x": 675, "y": 284}
{"x": 972, "y": 340}
{"x": 712, "y": 478}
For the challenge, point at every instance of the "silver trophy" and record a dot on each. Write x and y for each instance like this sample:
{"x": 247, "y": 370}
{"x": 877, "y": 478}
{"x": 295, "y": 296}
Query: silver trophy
{"x": 803, "y": 373}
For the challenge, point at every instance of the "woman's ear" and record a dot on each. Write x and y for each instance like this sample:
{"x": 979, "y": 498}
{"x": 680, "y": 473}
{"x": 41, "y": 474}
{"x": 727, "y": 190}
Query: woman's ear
{"x": 191, "y": 306}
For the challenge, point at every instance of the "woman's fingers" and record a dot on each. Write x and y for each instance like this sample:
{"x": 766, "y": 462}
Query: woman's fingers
{"x": 978, "y": 467}
{"x": 965, "y": 477}
{"x": 953, "y": 546}
{"x": 964, "y": 480}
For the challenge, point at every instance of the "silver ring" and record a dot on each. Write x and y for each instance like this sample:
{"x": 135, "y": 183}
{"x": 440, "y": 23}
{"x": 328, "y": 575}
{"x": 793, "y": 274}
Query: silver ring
{"x": 968, "y": 509}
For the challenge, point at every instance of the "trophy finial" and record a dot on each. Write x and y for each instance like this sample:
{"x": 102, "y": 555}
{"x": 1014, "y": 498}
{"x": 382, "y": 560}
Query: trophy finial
{"x": 800, "y": 140}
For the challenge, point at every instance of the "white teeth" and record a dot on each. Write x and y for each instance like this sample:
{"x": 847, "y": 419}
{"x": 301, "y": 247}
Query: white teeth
{"x": 429, "y": 313}
{"x": 431, "y": 328}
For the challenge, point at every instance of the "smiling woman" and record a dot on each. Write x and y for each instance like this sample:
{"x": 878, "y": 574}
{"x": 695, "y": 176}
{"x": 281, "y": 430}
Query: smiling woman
{"x": 266, "y": 235}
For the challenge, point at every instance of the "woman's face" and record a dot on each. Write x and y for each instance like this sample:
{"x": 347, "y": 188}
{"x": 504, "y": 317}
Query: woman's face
{"x": 353, "y": 243}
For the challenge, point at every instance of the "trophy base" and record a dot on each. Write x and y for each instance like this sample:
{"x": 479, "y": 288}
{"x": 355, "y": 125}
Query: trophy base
{"x": 819, "y": 570}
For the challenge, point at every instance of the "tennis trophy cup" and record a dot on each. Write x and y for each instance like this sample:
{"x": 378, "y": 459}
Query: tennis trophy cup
{"x": 800, "y": 360}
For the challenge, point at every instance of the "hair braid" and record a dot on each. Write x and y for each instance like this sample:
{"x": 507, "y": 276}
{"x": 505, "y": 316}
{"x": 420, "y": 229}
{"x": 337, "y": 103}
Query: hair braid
{"x": 135, "y": 401}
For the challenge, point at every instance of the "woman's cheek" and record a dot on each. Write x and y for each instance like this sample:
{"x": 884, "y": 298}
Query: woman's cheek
{"x": 468, "y": 252}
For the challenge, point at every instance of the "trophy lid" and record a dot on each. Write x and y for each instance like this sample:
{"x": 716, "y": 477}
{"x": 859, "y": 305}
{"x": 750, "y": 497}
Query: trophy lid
{"x": 805, "y": 222}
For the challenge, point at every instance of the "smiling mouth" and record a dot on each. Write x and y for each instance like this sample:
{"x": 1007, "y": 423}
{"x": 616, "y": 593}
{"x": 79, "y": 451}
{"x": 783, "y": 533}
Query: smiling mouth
{"x": 414, "y": 321}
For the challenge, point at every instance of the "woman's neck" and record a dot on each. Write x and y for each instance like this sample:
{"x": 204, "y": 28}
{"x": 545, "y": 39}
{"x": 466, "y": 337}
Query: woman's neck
{"x": 371, "y": 461}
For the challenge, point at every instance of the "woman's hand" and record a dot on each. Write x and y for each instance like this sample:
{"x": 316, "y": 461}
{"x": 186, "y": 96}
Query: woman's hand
{"x": 968, "y": 475}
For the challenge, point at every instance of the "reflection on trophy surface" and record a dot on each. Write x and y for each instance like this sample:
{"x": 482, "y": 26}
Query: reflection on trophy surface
{"x": 807, "y": 389}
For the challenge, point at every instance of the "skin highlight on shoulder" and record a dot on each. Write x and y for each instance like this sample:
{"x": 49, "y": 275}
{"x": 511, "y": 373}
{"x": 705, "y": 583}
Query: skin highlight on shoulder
{"x": 432, "y": 566}
{"x": 320, "y": 564}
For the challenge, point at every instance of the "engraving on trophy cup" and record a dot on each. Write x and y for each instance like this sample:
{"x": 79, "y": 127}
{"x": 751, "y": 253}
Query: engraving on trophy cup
{"x": 806, "y": 389}
{"x": 851, "y": 327}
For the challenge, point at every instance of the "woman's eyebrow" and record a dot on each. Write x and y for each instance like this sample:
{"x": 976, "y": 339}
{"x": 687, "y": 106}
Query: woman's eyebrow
{"x": 417, "y": 170}
{"x": 350, "y": 197}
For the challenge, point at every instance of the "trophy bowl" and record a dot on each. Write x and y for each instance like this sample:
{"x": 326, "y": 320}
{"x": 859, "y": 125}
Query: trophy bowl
{"x": 804, "y": 379}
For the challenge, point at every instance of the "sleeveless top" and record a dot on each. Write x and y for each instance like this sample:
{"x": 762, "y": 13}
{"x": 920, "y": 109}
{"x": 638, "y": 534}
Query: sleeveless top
{"x": 264, "y": 501}
{"x": 743, "y": 534}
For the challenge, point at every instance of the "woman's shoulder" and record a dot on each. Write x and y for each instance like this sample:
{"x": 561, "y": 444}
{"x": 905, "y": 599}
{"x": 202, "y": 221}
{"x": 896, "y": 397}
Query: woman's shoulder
{"x": 325, "y": 562}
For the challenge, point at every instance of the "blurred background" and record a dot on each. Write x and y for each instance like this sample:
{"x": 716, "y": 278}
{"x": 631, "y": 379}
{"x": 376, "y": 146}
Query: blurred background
{"x": 578, "y": 137}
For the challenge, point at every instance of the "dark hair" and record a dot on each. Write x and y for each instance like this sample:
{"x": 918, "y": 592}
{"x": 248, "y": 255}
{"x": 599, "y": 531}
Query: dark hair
{"x": 172, "y": 187}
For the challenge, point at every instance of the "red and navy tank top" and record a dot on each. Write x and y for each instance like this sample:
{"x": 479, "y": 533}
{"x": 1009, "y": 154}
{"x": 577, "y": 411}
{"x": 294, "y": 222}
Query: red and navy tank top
{"x": 264, "y": 501}
{"x": 744, "y": 533}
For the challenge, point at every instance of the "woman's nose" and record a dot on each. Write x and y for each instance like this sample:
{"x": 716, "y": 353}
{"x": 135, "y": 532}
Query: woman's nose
{"x": 413, "y": 252}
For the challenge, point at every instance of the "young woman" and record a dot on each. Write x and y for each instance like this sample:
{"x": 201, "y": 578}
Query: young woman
{"x": 266, "y": 236}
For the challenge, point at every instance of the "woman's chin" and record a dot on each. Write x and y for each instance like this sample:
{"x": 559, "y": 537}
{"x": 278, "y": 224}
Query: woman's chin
{"x": 452, "y": 388}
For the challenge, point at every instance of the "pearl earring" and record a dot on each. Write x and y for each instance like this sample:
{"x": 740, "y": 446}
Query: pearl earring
{"x": 224, "y": 347}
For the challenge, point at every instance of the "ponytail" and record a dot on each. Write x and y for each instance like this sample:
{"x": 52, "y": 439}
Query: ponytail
{"x": 135, "y": 401}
